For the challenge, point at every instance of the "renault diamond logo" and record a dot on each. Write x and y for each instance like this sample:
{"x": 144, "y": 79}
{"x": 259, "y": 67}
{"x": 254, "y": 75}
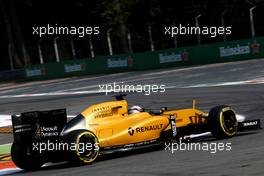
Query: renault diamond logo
{"x": 131, "y": 131}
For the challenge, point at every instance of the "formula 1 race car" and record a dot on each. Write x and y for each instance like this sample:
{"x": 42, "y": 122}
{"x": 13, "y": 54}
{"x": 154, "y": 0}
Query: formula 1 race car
{"x": 46, "y": 136}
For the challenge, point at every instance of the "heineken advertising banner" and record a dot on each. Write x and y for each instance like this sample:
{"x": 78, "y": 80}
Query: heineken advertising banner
{"x": 248, "y": 48}
{"x": 232, "y": 51}
{"x": 167, "y": 57}
{"x": 126, "y": 61}
{"x": 32, "y": 72}
{"x": 68, "y": 68}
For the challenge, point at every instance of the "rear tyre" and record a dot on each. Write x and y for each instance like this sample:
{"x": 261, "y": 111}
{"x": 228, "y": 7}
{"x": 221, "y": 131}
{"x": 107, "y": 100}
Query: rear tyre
{"x": 222, "y": 121}
{"x": 86, "y": 147}
{"x": 23, "y": 158}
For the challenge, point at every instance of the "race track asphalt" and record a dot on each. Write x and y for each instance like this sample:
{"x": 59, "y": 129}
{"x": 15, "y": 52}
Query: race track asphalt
{"x": 238, "y": 84}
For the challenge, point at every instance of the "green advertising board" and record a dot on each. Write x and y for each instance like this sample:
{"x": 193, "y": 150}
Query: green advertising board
{"x": 195, "y": 55}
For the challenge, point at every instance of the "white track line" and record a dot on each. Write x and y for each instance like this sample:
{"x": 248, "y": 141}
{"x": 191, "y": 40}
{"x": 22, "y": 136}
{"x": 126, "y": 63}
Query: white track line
{"x": 50, "y": 94}
{"x": 10, "y": 171}
{"x": 64, "y": 92}
{"x": 5, "y": 120}
{"x": 248, "y": 82}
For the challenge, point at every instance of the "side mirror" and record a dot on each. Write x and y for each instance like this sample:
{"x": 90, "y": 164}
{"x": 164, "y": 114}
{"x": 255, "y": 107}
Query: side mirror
{"x": 163, "y": 109}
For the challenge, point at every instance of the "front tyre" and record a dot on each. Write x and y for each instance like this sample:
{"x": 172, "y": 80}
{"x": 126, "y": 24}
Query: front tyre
{"x": 23, "y": 158}
{"x": 86, "y": 147}
{"x": 222, "y": 121}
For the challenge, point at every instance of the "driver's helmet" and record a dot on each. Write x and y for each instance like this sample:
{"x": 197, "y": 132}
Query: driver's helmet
{"x": 135, "y": 109}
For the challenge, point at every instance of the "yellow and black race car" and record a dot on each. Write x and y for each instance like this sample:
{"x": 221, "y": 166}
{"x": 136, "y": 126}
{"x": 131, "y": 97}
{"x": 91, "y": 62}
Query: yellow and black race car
{"x": 45, "y": 136}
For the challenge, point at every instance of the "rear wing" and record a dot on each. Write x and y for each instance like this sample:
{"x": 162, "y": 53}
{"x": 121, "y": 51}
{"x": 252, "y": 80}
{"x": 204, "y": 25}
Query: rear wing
{"x": 38, "y": 125}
